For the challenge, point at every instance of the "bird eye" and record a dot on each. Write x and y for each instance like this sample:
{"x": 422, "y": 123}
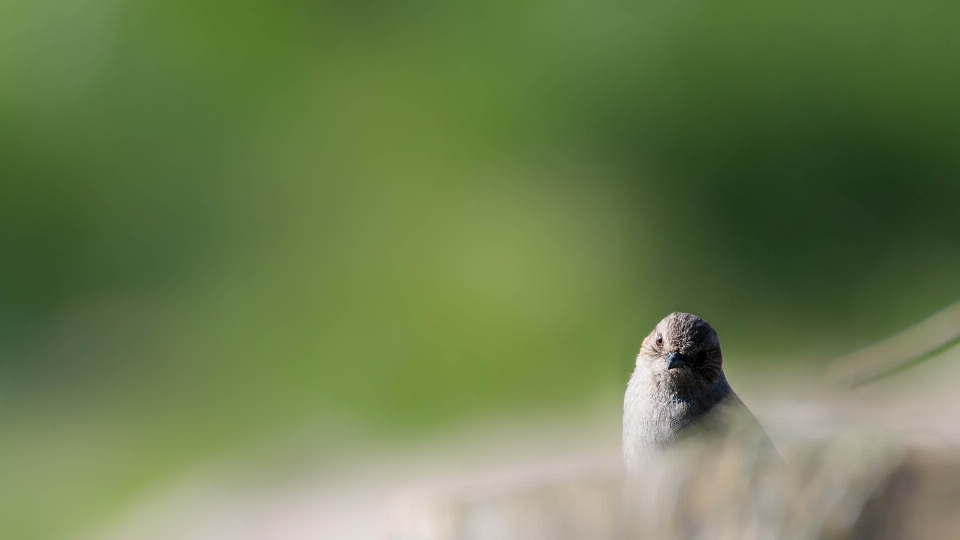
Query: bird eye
{"x": 659, "y": 340}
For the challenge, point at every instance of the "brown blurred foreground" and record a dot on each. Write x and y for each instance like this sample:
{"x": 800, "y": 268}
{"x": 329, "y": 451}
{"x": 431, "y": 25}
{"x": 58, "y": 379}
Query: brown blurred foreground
{"x": 845, "y": 490}
{"x": 878, "y": 461}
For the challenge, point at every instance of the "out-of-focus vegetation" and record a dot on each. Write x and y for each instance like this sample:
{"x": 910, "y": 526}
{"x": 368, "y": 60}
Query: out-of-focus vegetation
{"x": 221, "y": 221}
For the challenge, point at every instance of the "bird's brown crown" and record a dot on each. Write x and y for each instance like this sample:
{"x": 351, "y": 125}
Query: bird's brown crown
{"x": 687, "y": 346}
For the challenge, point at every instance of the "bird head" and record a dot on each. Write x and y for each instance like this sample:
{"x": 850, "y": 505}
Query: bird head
{"x": 684, "y": 350}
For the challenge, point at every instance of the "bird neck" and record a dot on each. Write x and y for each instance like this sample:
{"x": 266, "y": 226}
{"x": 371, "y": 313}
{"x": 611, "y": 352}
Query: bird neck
{"x": 712, "y": 394}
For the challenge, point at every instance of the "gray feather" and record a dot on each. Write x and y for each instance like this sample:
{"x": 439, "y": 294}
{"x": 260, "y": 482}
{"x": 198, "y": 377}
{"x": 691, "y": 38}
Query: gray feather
{"x": 662, "y": 405}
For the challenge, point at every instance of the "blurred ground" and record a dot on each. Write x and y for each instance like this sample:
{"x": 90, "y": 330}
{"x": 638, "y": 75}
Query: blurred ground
{"x": 482, "y": 482}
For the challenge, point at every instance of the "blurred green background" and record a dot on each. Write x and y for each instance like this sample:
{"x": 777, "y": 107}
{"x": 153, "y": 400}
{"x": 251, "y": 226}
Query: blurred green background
{"x": 221, "y": 222}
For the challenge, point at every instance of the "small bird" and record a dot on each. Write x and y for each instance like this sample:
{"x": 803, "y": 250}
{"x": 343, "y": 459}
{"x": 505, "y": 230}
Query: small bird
{"x": 678, "y": 389}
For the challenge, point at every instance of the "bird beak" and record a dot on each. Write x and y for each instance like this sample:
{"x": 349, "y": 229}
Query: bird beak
{"x": 674, "y": 360}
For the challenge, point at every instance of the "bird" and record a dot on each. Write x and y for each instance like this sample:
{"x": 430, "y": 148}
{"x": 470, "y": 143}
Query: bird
{"x": 678, "y": 390}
